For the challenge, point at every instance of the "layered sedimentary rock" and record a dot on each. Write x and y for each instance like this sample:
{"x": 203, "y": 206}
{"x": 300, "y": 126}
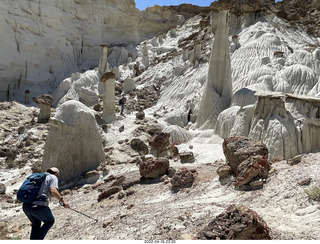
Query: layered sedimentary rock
{"x": 85, "y": 88}
{"x": 44, "y": 41}
{"x": 288, "y": 124}
{"x": 74, "y": 144}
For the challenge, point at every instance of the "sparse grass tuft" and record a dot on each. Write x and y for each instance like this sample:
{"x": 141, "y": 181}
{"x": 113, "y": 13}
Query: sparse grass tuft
{"x": 314, "y": 193}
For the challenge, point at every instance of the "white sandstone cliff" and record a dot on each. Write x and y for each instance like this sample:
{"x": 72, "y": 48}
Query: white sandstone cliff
{"x": 44, "y": 41}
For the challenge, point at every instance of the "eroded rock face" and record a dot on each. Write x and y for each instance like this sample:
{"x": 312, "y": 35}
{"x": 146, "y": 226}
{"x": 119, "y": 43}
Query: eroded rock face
{"x": 183, "y": 177}
{"x": 236, "y": 223}
{"x": 306, "y": 11}
{"x": 44, "y": 31}
{"x": 238, "y": 7}
{"x": 154, "y": 168}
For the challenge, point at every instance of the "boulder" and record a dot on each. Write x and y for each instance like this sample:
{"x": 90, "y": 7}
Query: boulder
{"x": 160, "y": 141}
{"x": 129, "y": 85}
{"x": 3, "y": 231}
{"x": 154, "y": 168}
{"x": 247, "y": 158}
{"x": 236, "y": 223}
{"x": 238, "y": 149}
{"x": 73, "y": 144}
{"x": 183, "y": 177}
{"x": 295, "y": 160}
{"x": 139, "y": 146}
{"x": 250, "y": 168}
{"x": 154, "y": 129}
{"x": 224, "y": 171}
{"x": 2, "y": 189}
{"x": 186, "y": 157}
{"x": 9, "y": 153}
{"x": 140, "y": 115}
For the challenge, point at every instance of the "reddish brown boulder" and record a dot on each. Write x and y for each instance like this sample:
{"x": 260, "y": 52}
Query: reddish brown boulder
{"x": 140, "y": 115}
{"x": 224, "y": 171}
{"x": 238, "y": 149}
{"x": 154, "y": 168}
{"x": 139, "y": 146}
{"x": 236, "y": 223}
{"x": 183, "y": 177}
{"x": 250, "y": 168}
{"x": 186, "y": 157}
{"x": 160, "y": 141}
{"x": 248, "y": 159}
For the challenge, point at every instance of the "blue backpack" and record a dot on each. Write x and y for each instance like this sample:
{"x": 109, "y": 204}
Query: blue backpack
{"x": 29, "y": 190}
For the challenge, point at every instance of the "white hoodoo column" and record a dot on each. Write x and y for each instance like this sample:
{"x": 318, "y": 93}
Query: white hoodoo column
{"x": 109, "y": 113}
{"x": 185, "y": 54}
{"x": 145, "y": 57}
{"x": 218, "y": 92}
{"x": 197, "y": 50}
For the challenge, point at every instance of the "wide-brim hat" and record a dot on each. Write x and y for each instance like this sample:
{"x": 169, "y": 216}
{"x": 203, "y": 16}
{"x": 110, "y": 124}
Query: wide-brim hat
{"x": 54, "y": 169}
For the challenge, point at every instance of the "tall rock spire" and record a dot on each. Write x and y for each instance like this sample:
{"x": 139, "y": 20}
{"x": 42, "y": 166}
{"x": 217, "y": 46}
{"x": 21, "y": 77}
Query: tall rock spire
{"x": 218, "y": 92}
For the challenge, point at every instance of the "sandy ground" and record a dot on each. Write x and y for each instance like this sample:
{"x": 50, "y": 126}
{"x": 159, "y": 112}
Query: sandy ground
{"x": 152, "y": 211}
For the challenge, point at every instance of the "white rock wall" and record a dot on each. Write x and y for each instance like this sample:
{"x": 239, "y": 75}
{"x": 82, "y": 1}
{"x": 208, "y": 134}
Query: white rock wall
{"x": 43, "y": 41}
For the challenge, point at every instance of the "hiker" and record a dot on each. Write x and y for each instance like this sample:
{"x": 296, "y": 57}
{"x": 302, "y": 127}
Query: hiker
{"x": 39, "y": 211}
{"x": 121, "y": 102}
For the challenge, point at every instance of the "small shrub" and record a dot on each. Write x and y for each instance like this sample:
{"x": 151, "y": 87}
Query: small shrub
{"x": 314, "y": 193}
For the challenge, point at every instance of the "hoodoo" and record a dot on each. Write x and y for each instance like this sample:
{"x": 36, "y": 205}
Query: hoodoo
{"x": 44, "y": 101}
{"x": 109, "y": 113}
{"x": 218, "y": 92}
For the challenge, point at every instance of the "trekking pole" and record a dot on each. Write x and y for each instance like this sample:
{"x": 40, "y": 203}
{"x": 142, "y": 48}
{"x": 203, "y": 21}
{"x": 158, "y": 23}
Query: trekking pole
{"x": 62, "y": 204}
